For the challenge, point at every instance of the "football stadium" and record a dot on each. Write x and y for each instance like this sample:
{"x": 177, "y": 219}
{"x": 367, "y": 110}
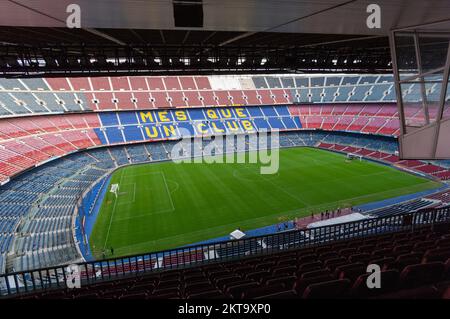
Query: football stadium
{"x": 275, "y": 151}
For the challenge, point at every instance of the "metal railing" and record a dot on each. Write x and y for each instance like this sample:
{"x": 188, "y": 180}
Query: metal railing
{"x": 190, "y": 256}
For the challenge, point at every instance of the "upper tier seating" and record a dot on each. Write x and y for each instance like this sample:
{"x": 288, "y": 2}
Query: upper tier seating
{"x": 59, "y": 95}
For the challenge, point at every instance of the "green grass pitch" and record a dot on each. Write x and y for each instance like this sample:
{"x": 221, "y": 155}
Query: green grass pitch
{"x": 167, "y": 205}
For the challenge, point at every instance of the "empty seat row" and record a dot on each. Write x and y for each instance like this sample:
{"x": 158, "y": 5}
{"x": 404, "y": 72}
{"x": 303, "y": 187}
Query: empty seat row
{"x": 411, "y": 262}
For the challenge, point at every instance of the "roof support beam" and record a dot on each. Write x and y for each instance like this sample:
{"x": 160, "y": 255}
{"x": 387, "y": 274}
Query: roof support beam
{"x": 239, "y": 37}
{"x": 105, "y": 36}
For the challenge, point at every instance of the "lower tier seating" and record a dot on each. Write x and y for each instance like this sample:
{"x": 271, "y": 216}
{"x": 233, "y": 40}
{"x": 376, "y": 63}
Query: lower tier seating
{"x": 36, "y": 208}
{"x": 413, "y": 264}
{"x": 381, "y": 151}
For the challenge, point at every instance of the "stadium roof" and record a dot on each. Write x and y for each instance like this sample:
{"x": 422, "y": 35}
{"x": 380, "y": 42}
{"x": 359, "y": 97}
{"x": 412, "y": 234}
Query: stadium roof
{"x": 328, "y": 32}
{"x": 295, "y": 16}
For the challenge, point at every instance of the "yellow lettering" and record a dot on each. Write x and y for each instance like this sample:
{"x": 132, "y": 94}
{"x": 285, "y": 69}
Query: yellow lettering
{"x": 240, "y": 112}
{"x": 217, "y": 129}
{"x": 181, "y": 115}
{"x": 169, "y": 130}
{"x": 233, "y": 126}
{"x": 247, "y": 125}
{"x": 146, "y": 116}
{"x": 226, "y": 113}
{"x": 163, "y": 116}
{"x": 150, "y": 134}
{"x": 200, "y": 127}
{"x": 212, "y": 114}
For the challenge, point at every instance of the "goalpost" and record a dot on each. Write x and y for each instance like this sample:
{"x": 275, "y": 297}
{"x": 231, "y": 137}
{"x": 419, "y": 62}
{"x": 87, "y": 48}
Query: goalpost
{"x": 351, "y": 156}
{"x": 114, "y": 189}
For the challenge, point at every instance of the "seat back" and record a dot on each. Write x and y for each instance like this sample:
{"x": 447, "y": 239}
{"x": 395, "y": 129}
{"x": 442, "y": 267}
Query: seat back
{"x": 421, "y": 274}
{"x": 388, "y": 282}
{"x": 331, "y": 289}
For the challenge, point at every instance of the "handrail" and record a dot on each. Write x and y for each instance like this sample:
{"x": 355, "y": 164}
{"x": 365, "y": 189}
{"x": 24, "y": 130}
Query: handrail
{"x": 108, "y": 269}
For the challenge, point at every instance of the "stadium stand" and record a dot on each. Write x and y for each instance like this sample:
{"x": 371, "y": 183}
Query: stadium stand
{"x": 32, "y": 140}
{"x": 195, "y": 149}
{"x": 402, "y": 208}
{"x": 380, "y": 151}
{"x": 50, "y": 157}
{"x": 47, "y": 196}
{"x": 61, "y": 95}
{"x": 414, "y": 263}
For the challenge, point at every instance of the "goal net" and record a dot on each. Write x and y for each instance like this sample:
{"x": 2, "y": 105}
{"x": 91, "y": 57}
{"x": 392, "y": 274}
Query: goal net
{"x": 351, "y": 156}
{"x": 114, "y": 189}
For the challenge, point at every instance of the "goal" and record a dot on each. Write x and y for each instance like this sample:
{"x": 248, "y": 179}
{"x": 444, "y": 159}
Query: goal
{"x": 351, "y": 156}
{"x": 114, "y": 189}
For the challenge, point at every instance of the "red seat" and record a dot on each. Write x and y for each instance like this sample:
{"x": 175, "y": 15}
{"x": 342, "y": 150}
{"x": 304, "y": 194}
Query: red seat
{"x": 421, "y": 274}
{"x": 279, "y": 295}
{"x": 446, "y": 275}
{"x": 361, "y": 257}
{"x": 336, "y": 289}
{"x": 403, "y": 248}
{"x": 428, "y": 292}
{"x": 286, "y": 281}
{"x": 307, "y": 258}
{"x": 263, "y": 291}
{"x": 328, "y": 255}
{"x": 212, "y": 294}
{"x": 438, "y": 254}
{"x": 302, "y": 283}
{"x": 198, "y": 287}
{"x": 388, "y": 282}
{"x": 368, "y": 248}
{"x": 134, "y": 296}
{"x": 221, "y": 282}
{"x": 380, "y": 253}
{"x": 350, "y": 271}
{"x": 316, "y": 273}
{"x": 404, "y": 260}
{"x": 302, "y": 268}
{"x": 333, "y": 263}
{"x": 258, "y": 276}
{"x": 237, "y": 290}
{"x": 347, "y": 251}
{"x": 288, "y": 270}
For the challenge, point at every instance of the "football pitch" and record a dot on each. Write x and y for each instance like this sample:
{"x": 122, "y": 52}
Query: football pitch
{"x": 167, "y": 205}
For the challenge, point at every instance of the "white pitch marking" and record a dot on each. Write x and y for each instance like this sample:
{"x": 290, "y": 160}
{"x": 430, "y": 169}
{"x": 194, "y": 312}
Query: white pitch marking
{"x": 167, "y": 190}
{"x": 112, "y": 214}
{"x": 134, "y": 195}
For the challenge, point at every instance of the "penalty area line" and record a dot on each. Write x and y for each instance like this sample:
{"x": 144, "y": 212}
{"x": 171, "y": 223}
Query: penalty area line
{"x": 167, "y": 190}
{"x": 112, "y": 214}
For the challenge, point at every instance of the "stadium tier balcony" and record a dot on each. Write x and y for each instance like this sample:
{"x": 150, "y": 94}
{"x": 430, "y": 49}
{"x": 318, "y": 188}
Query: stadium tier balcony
{"x": 414, "y": 263}
{"x": 60, "y": 95}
